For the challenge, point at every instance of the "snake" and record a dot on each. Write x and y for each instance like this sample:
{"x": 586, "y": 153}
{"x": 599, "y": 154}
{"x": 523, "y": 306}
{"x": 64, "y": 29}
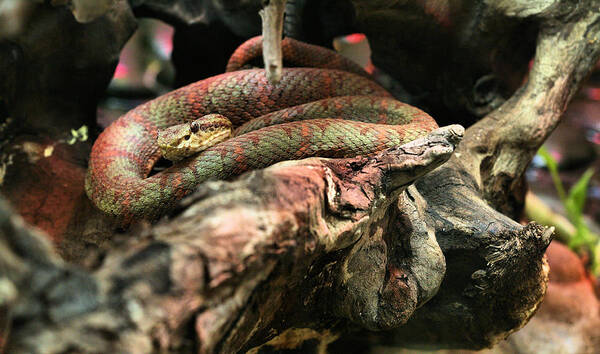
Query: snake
{"x": 225, "y": 125}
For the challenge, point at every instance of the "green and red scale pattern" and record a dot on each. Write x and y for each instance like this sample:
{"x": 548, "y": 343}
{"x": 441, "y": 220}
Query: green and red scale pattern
{"x": 296, "y": 54}
{"x": 123, "y": 155}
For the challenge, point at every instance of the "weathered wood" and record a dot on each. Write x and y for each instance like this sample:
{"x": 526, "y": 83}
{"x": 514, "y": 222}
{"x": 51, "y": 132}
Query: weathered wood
{"x": 314, "y": 245}
{"x": 458, "y": 59}
{"x": 272, "y": 32}
{"x": 305, "y": 252}
{"x": 486, "y": 172}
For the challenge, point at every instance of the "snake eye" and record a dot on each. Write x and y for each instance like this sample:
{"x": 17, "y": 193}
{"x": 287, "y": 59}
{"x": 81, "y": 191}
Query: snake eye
{"x": 194, "y": 127}
{"x": 187, "y": 137}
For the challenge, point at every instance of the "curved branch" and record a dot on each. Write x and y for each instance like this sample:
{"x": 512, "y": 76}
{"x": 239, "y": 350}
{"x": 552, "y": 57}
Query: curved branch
{"x": 305, "y": 251}
{"x": 486, "y": 173}
{"x": 501, "y": 146}
{"x": 326, "y": 226}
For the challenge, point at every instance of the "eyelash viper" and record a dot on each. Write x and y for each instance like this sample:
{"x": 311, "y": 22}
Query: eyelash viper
{"x": 355, "y": 116}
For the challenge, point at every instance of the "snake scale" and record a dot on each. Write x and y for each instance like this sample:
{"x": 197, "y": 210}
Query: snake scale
{"x": 336, "y": 111}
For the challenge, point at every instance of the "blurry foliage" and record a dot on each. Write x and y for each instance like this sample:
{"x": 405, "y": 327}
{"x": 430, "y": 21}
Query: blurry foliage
{"x": 80, "y": 134}
{"x": 583, "y": 240}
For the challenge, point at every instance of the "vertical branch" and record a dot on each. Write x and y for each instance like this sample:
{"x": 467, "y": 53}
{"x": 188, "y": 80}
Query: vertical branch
{"x": 501, "y": 145}
{"x": 272, "y": 30}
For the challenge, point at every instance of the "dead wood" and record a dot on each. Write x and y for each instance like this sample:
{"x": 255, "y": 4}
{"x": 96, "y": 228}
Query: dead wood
{"x": 300, "y": 248}
{"x": 305, "y": 252}
{"x": 272, "y": 30}
{"x": 477, "y": 304}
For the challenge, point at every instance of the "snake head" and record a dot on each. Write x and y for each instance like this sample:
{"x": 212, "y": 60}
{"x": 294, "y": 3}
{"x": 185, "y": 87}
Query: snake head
{"x": 184, "y": 140}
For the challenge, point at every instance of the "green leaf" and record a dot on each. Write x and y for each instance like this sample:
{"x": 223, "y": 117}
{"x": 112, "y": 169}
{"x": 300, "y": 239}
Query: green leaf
{"x": 575, "y": 201}
{"x": 80, "y": 134}
{"x": 595, "y": 268}
{"x": 583, "y": 239}
{"x": 553, "y": 168}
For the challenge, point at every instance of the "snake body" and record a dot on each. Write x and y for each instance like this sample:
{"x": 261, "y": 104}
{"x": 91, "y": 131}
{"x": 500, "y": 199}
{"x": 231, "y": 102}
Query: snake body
{"x": 354, "y": 116}
{"x": 296, "y": 54}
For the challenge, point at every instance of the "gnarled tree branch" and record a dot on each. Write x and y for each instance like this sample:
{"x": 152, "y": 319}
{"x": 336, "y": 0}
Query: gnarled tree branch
{"x": 314, "y": 242}
{"x": 304, "y": 252}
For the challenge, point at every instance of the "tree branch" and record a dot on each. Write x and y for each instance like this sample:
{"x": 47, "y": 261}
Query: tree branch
{"x": 325, "y": 226}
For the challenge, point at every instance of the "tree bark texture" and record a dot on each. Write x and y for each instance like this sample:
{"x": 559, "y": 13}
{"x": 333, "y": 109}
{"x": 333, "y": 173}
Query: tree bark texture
{"x": 415, "y": 245}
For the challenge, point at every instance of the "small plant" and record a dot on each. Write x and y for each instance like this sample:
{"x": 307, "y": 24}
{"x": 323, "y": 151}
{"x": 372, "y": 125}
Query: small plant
{"x": 78, "y": 135}
{"x": 584, "y": 240}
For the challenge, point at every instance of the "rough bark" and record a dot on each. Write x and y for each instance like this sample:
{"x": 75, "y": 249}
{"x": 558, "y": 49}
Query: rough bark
{"x": 487, "y": 171}
{"x": 272, "y": 31}
{"x": 60, "y": 64}
{"x": 304, "y": 252}
{"x": 458, "y": 59}
{"x": 315, "y": 246}
{"x": 54, "y": 71}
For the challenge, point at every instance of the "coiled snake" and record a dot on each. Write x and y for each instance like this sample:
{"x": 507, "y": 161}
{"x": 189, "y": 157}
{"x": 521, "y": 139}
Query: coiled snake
{"x": 332, "y": 111}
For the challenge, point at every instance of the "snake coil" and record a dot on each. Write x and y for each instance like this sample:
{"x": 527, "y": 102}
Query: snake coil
{"x": 334, "y": 110}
